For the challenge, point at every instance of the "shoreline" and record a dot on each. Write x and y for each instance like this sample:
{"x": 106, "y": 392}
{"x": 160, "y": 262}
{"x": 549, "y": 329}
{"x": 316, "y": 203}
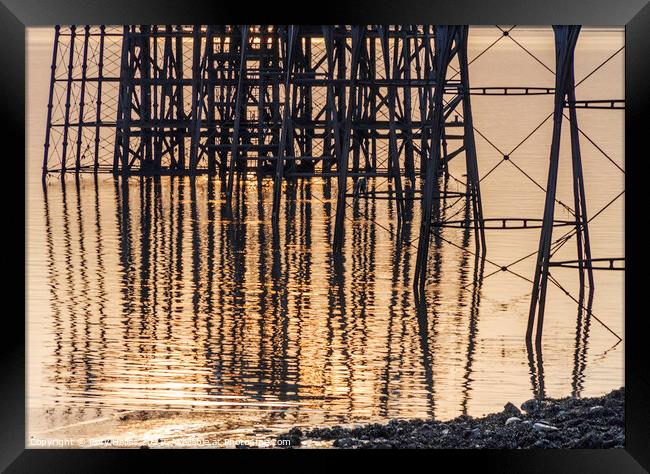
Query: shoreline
{"x": 587, "y": 423}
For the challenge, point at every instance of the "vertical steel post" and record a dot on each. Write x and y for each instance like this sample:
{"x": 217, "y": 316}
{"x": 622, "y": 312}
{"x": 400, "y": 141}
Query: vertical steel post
{"x": 69, "y": 84}
{"x": 48, "y": 129}
{"x": 471, "y": 163}
{"x": 286, "y": 121}
{"x": 357, "y": 41}
{"x": 180, "y": 98}
{"x": 565, "y": 41}
{"x": 123, "y": 120}
{"x": 209, "y": 72}
{"x": 82, "y": 93}
{"x": 240, "y": 93}
{"x": 409, "y": 166}
{"x": 98, "y": 106}
{"x": 332, "y": 116}
{"x": 392, "y": 74}
{"x": 444, "y": 37}
{"x": 234, "y": 150}
{"x": 197, "y": 93}
{"x": 580, "y": 203}
{"x": 308, "y": 131}
{"x": 143, "y": 63}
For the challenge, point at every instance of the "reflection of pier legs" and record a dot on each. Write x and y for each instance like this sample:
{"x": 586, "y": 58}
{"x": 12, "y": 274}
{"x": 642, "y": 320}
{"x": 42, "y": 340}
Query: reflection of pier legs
{"x": 583, "y": 324}
{"x": 479, "y": 266}
{"x": 536, "y": 367}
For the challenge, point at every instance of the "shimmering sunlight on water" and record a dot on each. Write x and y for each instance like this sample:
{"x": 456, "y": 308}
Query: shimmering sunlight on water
{"x": 141, "y": 296}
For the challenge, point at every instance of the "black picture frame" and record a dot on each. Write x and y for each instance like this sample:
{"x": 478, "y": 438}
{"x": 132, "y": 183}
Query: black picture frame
{"x": 16, "y": 15}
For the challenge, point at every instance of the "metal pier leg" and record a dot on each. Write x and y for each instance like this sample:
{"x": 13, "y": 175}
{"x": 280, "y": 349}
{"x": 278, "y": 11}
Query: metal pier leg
{"x": 332, "y": 116}
{"x": 308, "y": 132}
{"x": 357, "y": 39}
{"x": 210, "y": 78}
{"x": 100, "y": 80}
{"x": 50, "y": 106}
{"x": 180, "y": 99}
{"x": 286, "y": 122}
{"x": 145, "y": 148}
{"x": 444, "y": 36}
{"x": 409, "y": 166}
{"x": 234, "y": 149}
{"x": 156, "y": 129}
{"x": 565, "y": 41}
{"x": 82, "y": 93}
{"x": 123, "y": 120}
{"x": 473, "y": 179}
{"x": 393, "y": 152}
{"x": 66, "y": 124}
{"x": 197, "y": 72}
{"x": 199, "y": 67}
{"x": 580, "y": 203}
{"x": 261, "y": 99}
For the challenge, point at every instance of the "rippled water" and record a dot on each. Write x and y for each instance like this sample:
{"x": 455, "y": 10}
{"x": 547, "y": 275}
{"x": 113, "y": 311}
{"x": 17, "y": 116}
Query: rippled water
{"x": 141, "y": 296}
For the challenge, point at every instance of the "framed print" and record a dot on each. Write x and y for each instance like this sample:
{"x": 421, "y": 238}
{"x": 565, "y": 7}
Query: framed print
{"x": 271, "y": 234}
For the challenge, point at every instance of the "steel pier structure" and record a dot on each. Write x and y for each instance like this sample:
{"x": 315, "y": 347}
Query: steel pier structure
{"x": 217, "y": 99}
{"x": 347, "y": 102}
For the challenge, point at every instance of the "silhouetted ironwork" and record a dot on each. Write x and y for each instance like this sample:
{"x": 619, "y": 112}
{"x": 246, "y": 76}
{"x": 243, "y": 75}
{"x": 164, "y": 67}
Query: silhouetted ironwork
{"x": 450, "y": 41}
{"x": 566, "y": 38}
{"x": 350, "y": 102}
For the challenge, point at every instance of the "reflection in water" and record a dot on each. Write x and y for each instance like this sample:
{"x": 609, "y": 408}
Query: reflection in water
{"x": 582, "y": 337}
{"x": 535, "y": 358}
{"x": 535, "y": 363}
{"x": 158, "y": 302}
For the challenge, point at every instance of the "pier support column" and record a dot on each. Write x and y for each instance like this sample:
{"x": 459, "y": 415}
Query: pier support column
{"x": 357, "y": 41}
{"x": 290, "y": 39}
{"x": 240, "y": 97}
{"x": 444, "y": 39}
{"x": 392, "y": 72}
{"x": 50, "y": 105}
{"x": 566, "y": 38}
{"x": 473, "y": 188}
{"x": 450, "y": 43}
{"x": 123, "y": 120}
